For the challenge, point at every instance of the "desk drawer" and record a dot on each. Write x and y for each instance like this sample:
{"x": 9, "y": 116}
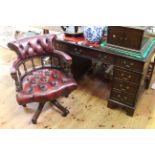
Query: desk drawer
{"x": 84, "y": 51}
{"x": 61, "y": 46}
{"x": 129, "y": 64}
{"x": 125, "y": 98}
{"x": 105, "y": 58}
{"x": 127, "y": 76}
{"x": 75, "y": 50}
{"x": 124, "y": 86}
{"x": 90, "y": 53}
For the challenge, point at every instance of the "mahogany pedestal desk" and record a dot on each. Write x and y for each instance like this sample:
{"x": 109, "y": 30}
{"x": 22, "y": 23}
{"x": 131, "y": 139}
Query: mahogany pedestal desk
{"x": 131, "y": 75}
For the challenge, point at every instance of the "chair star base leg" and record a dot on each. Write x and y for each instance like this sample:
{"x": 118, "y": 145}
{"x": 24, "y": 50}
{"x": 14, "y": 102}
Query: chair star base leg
{"x": 37, "y": 113}
{"x": 64, "y": 110}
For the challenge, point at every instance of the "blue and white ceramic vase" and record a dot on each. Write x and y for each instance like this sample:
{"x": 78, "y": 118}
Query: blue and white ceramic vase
{"x": 94, "y": 34}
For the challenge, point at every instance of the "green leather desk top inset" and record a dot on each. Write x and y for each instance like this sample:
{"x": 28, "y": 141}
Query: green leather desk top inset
{"x": 132, "y": 54}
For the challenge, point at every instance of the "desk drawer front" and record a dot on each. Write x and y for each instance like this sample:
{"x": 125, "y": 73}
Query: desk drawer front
{"x": 124, "y": 86}
{"x": 105, "y": 58}
{"x": 123, "y": 97}
{"x": 61, "y": 46}
{"x": 127, "y": 76}
{"x": 76, "y": 50}
{"x": 129, "y": 64}
{"x": 83, "y": 51}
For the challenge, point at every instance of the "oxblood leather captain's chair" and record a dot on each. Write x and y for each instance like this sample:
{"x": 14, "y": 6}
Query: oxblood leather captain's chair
{"x": 42, "y": 82}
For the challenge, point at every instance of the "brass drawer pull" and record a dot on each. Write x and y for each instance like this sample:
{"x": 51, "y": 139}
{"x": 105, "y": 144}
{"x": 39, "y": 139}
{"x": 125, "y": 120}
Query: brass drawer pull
{"x": 105, "y": 56}
{"x": 121, "y": 85}
{"x": 125, "y": 98}
{"x": 119, "y": 96}
{"x": 127, "y": 66}
{"x": 75, "y": 49}
{"x": 125, "y": 78}
{"x": 124, "y": 62}
{"x": 127, "y": 87}
{"x": 77, "y": 52}
{"x": 80, "y": 50}
{"x": 132, "y": 63}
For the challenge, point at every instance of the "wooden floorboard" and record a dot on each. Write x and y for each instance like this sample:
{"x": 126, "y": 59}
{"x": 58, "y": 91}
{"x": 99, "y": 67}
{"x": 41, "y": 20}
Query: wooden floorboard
{"x": 87, "y": 105}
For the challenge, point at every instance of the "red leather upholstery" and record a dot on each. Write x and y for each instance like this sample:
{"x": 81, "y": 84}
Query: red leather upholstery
{"x": 32, "y": 46}
{"x": 40, "y": 85}
{"x": 45, "y": 85}
{"x": 37, "y": 45}
{"x": 44, "y": 81}
{"x": 41, "y": 82}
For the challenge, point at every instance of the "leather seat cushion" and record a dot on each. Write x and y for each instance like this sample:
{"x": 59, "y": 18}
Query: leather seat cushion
{"x": 45, "y": 85}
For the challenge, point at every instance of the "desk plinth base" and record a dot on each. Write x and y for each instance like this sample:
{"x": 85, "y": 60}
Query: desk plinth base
{"x": 112, "y": 104}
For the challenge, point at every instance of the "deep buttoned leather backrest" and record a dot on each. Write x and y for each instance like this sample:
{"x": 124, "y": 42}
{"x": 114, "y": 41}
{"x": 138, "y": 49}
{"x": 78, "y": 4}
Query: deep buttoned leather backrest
{"x": 33, "y": 46}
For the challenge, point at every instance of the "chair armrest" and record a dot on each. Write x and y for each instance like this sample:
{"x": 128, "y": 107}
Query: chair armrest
{"x": 64, "y": 56}
{"x": 13, "y": 72}
{"x": 13, "y": 69}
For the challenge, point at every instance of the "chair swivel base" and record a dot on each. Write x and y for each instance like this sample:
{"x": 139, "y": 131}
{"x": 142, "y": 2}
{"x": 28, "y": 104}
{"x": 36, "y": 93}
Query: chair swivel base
{"x": 37, "y": 113}
{"x": 64, "y": 111}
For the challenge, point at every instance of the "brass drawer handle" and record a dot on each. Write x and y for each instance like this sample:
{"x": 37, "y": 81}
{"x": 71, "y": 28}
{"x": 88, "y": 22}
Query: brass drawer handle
{"x": 127, "y": 87}
{"x": 59, "y": 45}
{"x": 125, "y": 98}
{"x": 132, "y": 63}
{"x": 80, "y": 50}
{"x": 123, "y": 89}
{"x": 125, "y": 78}
{"x": 121, "y": 85}
{"x": 119, "y": 96}
{"x": 124, "y": 62}
{"x": 105, "y": 56}
{"x": 100, "y": 56}
{"x": 127, "y": 66}
{"x": 75, "y": 49}
{"x": 77, "y": 52}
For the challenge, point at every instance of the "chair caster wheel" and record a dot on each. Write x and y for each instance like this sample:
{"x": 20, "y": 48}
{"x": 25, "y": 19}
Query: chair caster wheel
{"x": 66, "y": 95}
{"x": 34, "y": 121}
{"x": 65, "y": 113}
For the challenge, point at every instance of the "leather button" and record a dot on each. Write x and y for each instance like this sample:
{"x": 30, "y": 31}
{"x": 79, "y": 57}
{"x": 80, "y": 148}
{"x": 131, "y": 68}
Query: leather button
{"x": 47, "y": 40}
{"x": 47, "y": 73}
{"x": 36, "y": 76}
{"x": 55, "y": 76}
{"x": 30, "y": 90}
{"x": 21, "y": 46}
{"x": 38, "y": 41}
{"x": 33, "y": 81}
{"x": 43, "y": 87}
{"x": 64, "y": 80}
{"x": 54, "y": 83}
{"x": 43, "y": 79}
